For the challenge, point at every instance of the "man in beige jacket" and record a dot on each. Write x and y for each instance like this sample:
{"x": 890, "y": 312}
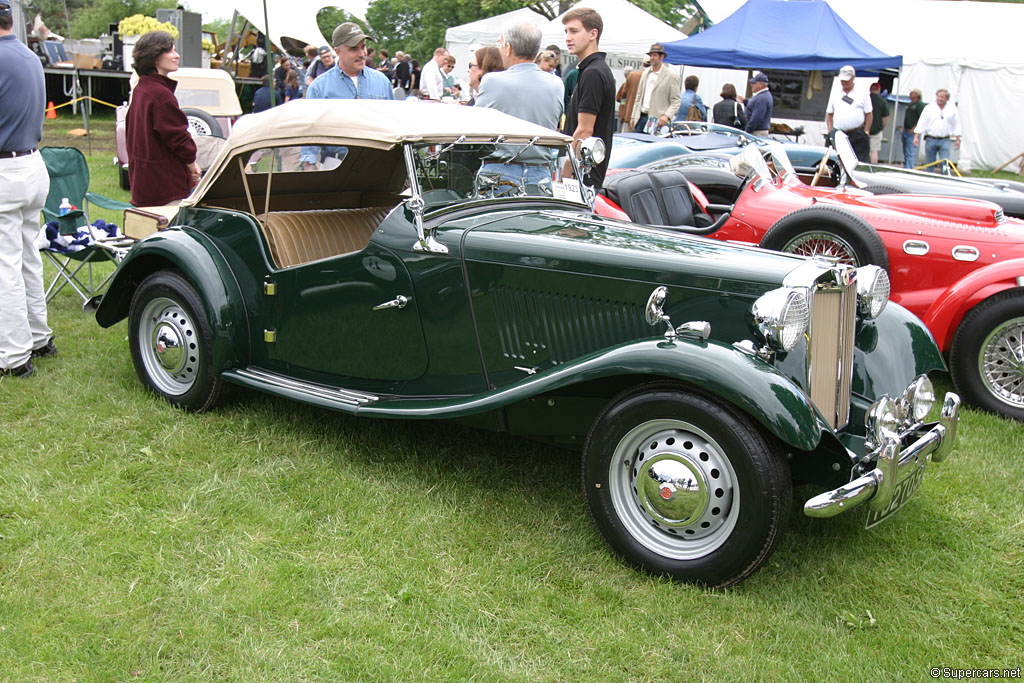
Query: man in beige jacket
{"x": 657, "y": 96}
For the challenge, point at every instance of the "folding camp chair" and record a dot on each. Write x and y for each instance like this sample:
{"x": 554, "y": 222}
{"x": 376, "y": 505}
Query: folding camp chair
{"x": 69, "y": 177}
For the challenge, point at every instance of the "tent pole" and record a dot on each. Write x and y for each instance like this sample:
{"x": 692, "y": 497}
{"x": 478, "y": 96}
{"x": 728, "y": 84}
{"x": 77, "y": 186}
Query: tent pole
{"x": 270, "y": 54}
{"x": 895, "y": 109}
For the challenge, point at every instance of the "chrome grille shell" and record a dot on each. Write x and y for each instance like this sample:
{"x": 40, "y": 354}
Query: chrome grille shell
{"x": 832, "y": 297}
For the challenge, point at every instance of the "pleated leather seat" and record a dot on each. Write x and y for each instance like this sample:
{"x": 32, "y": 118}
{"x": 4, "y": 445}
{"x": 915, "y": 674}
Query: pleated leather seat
{"x": 298, "y": 237}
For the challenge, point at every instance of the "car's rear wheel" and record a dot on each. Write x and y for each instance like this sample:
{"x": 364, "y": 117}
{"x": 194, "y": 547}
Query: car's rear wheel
{"x": 200, "y": 123}
{"x": 883, "y": 189}
{"x": 680, "y": 484}
{"x": 986, "y": 358}
{"x": 171, "y": 342}
{"x": 830, "y": 231}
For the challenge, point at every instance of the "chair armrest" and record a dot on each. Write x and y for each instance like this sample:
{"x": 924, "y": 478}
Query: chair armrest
{"x": 106, "y": 202}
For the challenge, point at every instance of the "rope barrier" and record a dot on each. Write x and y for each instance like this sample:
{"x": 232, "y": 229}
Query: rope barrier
{"x": 941, "y": 161}
{"x": 85, "y": 97}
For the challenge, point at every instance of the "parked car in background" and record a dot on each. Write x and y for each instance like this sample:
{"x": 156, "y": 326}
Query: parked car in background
{"x": 369, "y": 258}
{"x": 957, "y": 263}
{"x": 210, "y": 103}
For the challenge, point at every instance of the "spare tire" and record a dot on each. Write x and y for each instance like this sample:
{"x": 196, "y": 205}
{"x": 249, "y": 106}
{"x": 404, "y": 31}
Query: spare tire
{"x": 883, "y": 189}
{"x": 200, "y": 123}
{"x": 831, "y": 231}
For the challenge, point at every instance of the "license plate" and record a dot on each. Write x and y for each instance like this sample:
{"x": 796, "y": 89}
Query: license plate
{"x": 905, "y": 490}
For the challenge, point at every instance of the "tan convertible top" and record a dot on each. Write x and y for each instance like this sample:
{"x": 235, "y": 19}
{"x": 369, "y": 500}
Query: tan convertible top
{"x": 377, "y": 124}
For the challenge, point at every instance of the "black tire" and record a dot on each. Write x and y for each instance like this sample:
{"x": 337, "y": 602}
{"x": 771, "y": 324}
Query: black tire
{"x": 200, "y": 123}
{"x": 167, "y": 314}
{"x": 881, "y": 188}
{"x": 828, "y": 230}
{"x": 720, "y": 533}
{"x": 986, "y": 358}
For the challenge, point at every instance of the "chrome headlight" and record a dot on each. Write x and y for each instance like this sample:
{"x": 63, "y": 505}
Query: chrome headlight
{"x": 920, "y": 397}
{"x": 872, "y": 291}
{"x": 882, "y": 420}
{"x": 780, "y": 318}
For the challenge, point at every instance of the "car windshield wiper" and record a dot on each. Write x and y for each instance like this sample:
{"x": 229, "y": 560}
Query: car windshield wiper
{"x": 531, "y": 143}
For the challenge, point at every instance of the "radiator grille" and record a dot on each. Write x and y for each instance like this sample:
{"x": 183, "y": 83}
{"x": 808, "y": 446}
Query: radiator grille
{"x": 560, "y": 326}
{"x": 830, "y": 350}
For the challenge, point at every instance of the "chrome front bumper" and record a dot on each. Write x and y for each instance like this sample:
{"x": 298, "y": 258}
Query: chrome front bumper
{"x": 894, "y": 464}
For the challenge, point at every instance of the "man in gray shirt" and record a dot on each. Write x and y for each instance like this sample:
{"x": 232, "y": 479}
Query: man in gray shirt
{"x": 24, "y": 333}
{"x": 525, "y": 91}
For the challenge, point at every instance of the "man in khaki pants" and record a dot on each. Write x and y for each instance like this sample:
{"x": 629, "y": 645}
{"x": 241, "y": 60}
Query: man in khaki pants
{"x": 657, "y": 96}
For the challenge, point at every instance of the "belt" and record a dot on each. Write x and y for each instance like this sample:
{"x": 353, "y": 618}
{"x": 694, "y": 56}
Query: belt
{"x": 936, "y": 137}
{"x": 514, "y": 163}
{"x": 10, "y": 155}
{"x": 853, "y": 130}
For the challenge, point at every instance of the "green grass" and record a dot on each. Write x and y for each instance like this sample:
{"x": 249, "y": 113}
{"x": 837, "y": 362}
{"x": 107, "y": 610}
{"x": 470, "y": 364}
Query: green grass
{"x": 271, "y": 541}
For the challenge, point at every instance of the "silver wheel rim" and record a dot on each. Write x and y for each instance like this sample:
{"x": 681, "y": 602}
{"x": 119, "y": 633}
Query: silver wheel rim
{"x": 198, "y": 127}
{"x": 824, "y": 243}
{"x": 1001, "y": 362}
{"x": 674, "y": 489}
{"x": 169, "y": 346}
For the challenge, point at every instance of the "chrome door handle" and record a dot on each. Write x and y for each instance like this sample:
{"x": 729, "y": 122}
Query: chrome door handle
{"x": 398, "y": 302}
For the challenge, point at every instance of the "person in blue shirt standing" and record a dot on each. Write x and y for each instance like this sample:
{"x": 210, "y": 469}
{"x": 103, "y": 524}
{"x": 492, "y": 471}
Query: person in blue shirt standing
{"x": 759, "y": 106}
{"x": 690, "y": 98}
{"x": 351, "y": 79}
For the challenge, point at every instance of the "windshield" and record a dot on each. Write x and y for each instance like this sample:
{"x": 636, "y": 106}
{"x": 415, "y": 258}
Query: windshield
{"x": 781, "y": 161}
{"x": 751, "y": 162}
{"x": 458, "y": 172}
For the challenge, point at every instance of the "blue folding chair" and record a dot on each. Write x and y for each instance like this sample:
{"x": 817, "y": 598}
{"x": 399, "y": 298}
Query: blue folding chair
{"x": 69, "y": 177}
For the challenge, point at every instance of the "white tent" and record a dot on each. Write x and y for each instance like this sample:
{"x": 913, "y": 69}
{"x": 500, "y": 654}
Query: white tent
{"x": 627, "y": 36}
{"x": 970, "y": 48}
{"x": 461, "y": 40}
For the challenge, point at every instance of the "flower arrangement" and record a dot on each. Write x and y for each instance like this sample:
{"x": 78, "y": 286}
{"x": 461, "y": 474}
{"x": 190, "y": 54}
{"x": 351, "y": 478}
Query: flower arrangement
{"x": 137, "y": 24}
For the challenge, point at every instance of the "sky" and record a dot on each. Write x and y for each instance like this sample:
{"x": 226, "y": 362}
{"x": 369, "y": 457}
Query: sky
{"x": 219, "y": 9}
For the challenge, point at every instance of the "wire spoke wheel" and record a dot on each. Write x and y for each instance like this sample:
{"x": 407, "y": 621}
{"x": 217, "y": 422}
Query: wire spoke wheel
{"x": 1001, "y": 362}
{"x": 822, "y": 243}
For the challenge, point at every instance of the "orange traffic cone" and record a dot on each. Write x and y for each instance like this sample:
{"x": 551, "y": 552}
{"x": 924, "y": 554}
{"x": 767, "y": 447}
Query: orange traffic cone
{"x": 51, "y": 111}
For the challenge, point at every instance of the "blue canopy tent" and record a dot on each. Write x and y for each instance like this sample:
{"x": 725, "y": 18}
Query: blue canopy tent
{"x": 796, "y": 35}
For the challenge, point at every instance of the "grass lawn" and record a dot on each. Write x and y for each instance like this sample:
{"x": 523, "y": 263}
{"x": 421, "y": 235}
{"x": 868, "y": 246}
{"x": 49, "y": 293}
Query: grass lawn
{"x": 271, "y": 541}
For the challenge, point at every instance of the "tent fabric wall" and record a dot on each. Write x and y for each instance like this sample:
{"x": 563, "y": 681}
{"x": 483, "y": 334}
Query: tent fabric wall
{"x": 628, "y": 29}
{"x": 970, "y": 48}
{"x": 461, "y": 40}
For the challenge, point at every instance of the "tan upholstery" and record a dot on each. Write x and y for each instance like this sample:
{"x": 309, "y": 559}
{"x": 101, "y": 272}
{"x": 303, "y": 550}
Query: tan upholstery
{"x": 297, "y": 237}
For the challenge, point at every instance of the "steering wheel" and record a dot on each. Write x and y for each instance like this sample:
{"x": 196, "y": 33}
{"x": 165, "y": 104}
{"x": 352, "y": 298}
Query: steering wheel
{"x": 681, "y": 128}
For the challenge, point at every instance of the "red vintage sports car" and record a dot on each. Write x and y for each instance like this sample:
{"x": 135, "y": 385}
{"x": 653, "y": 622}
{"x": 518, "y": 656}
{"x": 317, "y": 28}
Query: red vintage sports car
{"x": 956, "y": 263}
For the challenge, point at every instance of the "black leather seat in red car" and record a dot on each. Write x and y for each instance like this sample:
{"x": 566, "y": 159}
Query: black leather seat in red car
{"x": 655, "y": 197}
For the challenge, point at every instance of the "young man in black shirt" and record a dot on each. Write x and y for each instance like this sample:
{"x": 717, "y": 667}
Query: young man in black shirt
{"x": 592, "y": 107}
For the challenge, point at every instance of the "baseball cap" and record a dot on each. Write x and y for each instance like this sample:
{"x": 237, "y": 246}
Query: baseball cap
{"x": 347, "y": 34}
{"x": 759, "y": 77}
{"x": 5, "y": 7}
{"x": 656, "y": 47}
{"x": 847, "y": 73}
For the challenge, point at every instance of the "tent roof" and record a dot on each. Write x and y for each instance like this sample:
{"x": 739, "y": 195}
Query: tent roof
{"x": 487, "y": 30}
{"x": 804, "y": 35}
{"x": 627, "y": 28}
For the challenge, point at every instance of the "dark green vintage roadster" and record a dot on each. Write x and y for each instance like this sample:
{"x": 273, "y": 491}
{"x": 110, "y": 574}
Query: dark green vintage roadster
{"x": 426, "y": 261}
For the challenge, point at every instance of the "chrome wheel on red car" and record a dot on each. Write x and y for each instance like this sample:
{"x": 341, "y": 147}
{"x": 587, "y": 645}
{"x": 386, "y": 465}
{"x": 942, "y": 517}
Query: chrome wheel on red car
{"x": 829, "y": 231}
{"x": 822, "y": 244}
{"x": 987, "y": 354}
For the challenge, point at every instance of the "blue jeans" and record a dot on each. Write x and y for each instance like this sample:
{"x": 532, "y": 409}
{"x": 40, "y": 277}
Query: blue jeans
{"x": 517, "y": 173}
{"x": 909, "y": 150}
{"x": 935, "y": 148}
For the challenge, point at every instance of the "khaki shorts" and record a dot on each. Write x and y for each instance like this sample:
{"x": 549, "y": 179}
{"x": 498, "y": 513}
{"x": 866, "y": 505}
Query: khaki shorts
{"x": 875, "y": 142}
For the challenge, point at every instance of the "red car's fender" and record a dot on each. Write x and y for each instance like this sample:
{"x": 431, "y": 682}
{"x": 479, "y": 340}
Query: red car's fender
{"x": 950, "y": 307}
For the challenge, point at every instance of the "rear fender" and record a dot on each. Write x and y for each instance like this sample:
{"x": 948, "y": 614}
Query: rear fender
{"x": 203, "y": 265}
{"x": 943, "y": 316}
{"x": 749, "y": 384}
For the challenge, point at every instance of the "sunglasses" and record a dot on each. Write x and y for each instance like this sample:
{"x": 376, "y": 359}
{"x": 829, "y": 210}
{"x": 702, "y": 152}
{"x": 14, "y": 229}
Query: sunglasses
{"x": 474, "y": 65}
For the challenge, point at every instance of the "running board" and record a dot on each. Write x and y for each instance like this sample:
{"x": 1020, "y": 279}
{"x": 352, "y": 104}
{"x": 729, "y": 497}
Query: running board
{"x": 281, "y": 385}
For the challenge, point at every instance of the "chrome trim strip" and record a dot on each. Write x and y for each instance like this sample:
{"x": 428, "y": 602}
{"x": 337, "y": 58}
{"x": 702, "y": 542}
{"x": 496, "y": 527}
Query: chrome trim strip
{"x": 343, "y": 395}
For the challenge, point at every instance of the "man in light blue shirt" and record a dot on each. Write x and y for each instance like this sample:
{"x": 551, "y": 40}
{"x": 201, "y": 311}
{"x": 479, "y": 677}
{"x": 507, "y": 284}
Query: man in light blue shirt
{"x": 351, "y": 79}
{"x": 525, "y": 91}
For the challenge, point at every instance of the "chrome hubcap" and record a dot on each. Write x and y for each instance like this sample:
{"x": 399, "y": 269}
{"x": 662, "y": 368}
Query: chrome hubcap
{"x": 1001, "y": 362}
{"x": 168, "y": 345}
{"x": 674, "y": 489}
{"x": 823, "y": 243}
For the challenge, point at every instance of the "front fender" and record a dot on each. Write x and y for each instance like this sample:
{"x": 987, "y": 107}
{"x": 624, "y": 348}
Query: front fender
{"x": 202, "y": 264}
{"x": 891, "y": 351}
{"x": 748, "y": 383}
{"x": 943, "y": 316}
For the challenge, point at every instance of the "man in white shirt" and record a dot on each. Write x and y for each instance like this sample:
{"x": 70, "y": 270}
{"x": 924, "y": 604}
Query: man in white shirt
{"x": 849, "y": 110}
{"x": 432, "y": 78}
{"x": 939, "y": 122}
{"x": 657, "y": 95}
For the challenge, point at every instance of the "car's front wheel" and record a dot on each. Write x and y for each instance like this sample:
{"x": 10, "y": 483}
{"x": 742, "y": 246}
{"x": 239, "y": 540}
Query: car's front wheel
{"x": 683, "y": 485}
{"x": 986, "y": 358}
{"x": 171, "y": 342}
{"x": 830, "y": 231}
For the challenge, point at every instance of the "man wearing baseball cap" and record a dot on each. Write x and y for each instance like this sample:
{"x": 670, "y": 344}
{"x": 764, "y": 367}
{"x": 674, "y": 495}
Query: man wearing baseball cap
{"x": 849, "y": 110}
{"x": 351, "y": 79}
{"x": 657, "y": 95}
{"x": 759, "y": 106}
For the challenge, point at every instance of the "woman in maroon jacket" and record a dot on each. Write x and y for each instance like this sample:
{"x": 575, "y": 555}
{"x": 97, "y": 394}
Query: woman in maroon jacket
{"x": 162, "y": 164}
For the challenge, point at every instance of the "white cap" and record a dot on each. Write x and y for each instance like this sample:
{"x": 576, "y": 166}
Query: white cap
{"x": 847, "y": 73}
